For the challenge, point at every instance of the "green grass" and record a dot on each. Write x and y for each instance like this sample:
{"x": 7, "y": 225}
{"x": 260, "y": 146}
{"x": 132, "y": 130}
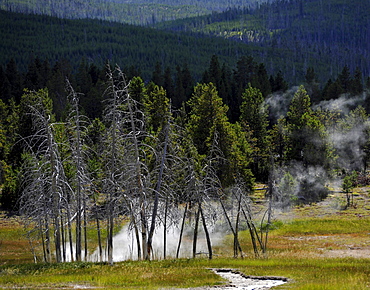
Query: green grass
{"x": 304, "y": 273}
{"x": 320, "y": 226}
{"x": 303, "y": 248}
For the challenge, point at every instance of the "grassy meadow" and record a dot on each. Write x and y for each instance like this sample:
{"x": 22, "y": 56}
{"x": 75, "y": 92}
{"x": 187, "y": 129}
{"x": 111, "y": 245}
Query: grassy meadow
{"x": 318, "y": 246}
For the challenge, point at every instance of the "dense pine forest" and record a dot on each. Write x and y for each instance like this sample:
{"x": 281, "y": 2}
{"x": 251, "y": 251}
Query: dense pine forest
{"x": 324, "y": 34}
{"x": 100, "y": 120}
{"x": 139, "y": 12}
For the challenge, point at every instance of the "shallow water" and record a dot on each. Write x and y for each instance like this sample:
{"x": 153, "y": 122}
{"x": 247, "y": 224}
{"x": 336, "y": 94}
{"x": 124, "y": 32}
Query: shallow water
{"x": 241, "y": 282}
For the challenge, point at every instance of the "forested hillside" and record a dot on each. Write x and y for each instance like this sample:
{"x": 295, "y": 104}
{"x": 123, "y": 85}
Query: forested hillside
{"x": 324, "y": 34}
{"x": 26, "y": 36}
{"x": 139, "y": 48}
{"x": 140, "y": 12}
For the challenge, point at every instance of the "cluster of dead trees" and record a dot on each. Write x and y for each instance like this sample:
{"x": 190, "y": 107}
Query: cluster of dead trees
{"x": 81, "y": 174}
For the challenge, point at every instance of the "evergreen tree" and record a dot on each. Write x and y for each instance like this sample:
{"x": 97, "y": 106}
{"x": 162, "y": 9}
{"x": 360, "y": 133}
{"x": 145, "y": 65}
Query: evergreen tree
{"x": 307, "y": 135}
{"x": 137, "y": 89}
{"x": 156, "y": 106}
{"x": 278, "y": 84}
{"x": 299, "y": 107}
{"x": 357, "y": 86}
{"x": 13, "y": 82}
{"x": 207, "y": 119}
{"x": 57, "y": 84}
{"x": 10, "y": 154}
{"x": 261, "y": 80}
{"x": 168, "y": 83}
{"x": 332, "y": 90}
{"x": 157, "y": 76}
{"x": 344, "y": 79}
{"x": 254, "y": 115}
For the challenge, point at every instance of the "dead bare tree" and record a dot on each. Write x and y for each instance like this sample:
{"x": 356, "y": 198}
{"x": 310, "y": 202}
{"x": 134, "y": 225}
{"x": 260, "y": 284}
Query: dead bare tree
{"x": 271, "y": 195}
{"x": 167, "y": 175}
{"x": 112, "y": 155}
{"x": 81, "y": 183}
{"x": 126, "y": 181}
{"x": 46, "y": 182}
{"x": 208, "y": 189}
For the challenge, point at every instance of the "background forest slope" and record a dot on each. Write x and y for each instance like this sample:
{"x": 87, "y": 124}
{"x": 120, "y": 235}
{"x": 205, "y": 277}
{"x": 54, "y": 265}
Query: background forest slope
{"x": 140, "y": 12}
{"x": 323, "y": 34}
{"x": 287, "y": 36}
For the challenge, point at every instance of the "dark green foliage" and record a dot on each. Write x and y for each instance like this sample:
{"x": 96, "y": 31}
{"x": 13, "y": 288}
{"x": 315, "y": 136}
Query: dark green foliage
{"x": 137, "y": 48}
{"x": 254, "y": 116}
{"x": 326, "y": 35}
{"x": 208, "y": 125}
{"x": 10, "y": 187}
{"x": 139, "y": 12}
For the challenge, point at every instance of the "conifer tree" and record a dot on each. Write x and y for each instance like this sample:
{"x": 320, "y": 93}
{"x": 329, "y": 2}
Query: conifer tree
{"x": 208, "y": 115}
{"x": 254, "y": 116}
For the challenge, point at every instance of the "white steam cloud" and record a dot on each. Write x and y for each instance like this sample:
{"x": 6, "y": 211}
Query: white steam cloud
{"x": 278, "y": 103}
{"x": 344, "y": 103}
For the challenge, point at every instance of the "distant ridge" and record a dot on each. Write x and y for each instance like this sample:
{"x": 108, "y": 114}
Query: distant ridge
{"x": 138, "y": 12}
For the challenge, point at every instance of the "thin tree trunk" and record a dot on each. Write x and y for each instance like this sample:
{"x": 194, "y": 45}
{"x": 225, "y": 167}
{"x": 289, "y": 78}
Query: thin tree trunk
{"x": 208, "y": 239}
{"x": 110, "y": 236}
{"x": 43, "y": 241}
{"x": 157, "y": 190}
{"x": 31, "y": 247}
{"x": 269, "y": 211}
{"x": 137, "y": 235}
{"x": 236, "y": 239}
{"x": 78, "y": 224}
{"x": 98, "y": 232}
{"x": 47, "y": 239}
{"x": 57, "y": 240}
{"x": 231, "y": 228}
{"x": 165, "y": 230}
{"x": 70, "y": 233}
{"x": 85, "y": 227}
{"x": 63, "y": 238}
{"x": 195, "y": 238}
{"x": 252, "y": 233}
{"x": 99, "y": 239}
{"x": 144, "y": 231}
{"x": 111, "y": 170}
{"x": 181, "y": 231}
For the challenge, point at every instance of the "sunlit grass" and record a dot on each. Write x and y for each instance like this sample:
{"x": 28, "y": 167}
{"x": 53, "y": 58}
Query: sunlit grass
{"x": 303, "y": 273}
{"x": 323, "y": 226}
{"x": 299, "y": 248}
